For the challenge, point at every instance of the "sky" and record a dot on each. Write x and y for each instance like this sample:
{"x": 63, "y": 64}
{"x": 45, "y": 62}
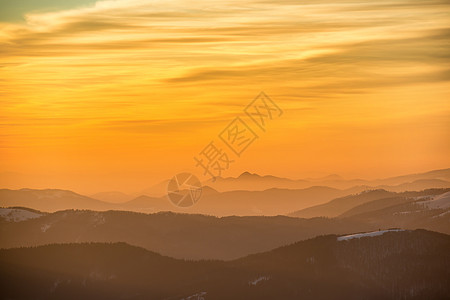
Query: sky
{"x": 119, "y": 95}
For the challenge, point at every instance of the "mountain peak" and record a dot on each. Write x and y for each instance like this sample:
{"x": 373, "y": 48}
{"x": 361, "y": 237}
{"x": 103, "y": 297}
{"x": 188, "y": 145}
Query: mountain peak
{"x": 248, "y": 175}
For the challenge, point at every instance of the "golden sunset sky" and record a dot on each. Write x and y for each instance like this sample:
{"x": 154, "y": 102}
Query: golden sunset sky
{"x": 119, "y": 95}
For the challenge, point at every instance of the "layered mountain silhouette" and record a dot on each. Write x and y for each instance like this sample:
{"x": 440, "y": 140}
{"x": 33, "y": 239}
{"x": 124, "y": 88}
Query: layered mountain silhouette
{"x": 177, "y": 235}
{"x": 252, "y": 181}
{"x": 281, "y": 198}
{"x": 432, "y": 213}
{"x": 384, "y": 265}
{"x": 255, "y": 182}
{"x": 268, "y": 202}
{"x": 367, "y": 200}
{"x": 112, "y": 197}
{"x": 198, "y": 236}
{"x": 305, "y": 203}
{"x": 248, "y": 194}
{"x": 50, "y": 200}
{"x": 250, "y": 237}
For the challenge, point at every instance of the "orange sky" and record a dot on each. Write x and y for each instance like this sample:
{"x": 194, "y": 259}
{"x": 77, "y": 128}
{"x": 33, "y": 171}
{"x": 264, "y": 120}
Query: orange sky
{"x": 119, "y": 95}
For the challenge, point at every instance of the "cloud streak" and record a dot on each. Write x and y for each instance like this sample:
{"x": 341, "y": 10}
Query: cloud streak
{"x": 152, "y": 67}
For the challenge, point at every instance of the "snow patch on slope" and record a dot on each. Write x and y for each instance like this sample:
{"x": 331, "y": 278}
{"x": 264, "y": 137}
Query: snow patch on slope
{"x": 442, "y": 214}
{"x": 439, "y": 202}
{"x": 198, "y": 296}
{"x": 17, "y": 215}
{"x": 258, "y": 280}
{"x": 366, "y": 234}
{"x": 45, "y": 227}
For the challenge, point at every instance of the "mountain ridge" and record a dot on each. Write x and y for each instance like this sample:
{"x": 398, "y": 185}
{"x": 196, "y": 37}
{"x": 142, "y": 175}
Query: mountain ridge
{"x": 351, "y": 269}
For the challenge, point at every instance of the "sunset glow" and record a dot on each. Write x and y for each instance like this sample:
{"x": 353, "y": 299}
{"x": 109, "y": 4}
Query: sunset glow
{"x": 119, "y": 95}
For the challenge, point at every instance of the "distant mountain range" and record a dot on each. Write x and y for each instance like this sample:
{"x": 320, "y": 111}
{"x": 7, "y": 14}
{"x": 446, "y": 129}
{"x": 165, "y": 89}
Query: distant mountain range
{"x": 112, "y": 197}
{"x": 305, "y": 203}
{"x": 363, "y": 242}
{"x": 381, "y": 265}
{"x": 282, "y": 196}
{"x": 271, "y": 202}
{"x": 50, "y": 200}
{"x": 254, "y": 182}
{"x": 206, "y": 237}
{"x": 367, "y": 200}
{"x": 253, "y": 194}
{"x": 268, "y": 202}
{"x": 177, "y": 235}
{"x": 248, "y": 194}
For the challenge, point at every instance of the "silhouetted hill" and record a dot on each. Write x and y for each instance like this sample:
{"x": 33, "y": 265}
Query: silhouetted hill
{"x": 375, "y": 205}
{"x": 268, "y": 202}
{"x": 251, "y": 194}
{"x": 18, "y": 214}
{"x": 419, "y": 212}
{"x": 177, "y": 235}
{"x": 417, "y": 185}
{"x": 399, "y": 198}
{"x": 341, "y": 205}
{"x": 393, "y": 265}
{"x": 201, "y": 236}
{"x": 442, "y": 174}
{"x": 112, "y": 197}
{"x": 147, "y": 204}
{"x": 413, "y": 182}
{"x": 49, "y": 200}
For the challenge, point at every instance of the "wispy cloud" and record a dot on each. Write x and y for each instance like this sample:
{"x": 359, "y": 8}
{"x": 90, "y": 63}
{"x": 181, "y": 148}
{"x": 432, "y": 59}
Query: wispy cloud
{"x": 148, "y": 66}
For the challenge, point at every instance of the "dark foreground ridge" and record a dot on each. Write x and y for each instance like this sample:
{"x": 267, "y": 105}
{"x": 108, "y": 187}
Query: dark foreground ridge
{"x": 393, "y": 265}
